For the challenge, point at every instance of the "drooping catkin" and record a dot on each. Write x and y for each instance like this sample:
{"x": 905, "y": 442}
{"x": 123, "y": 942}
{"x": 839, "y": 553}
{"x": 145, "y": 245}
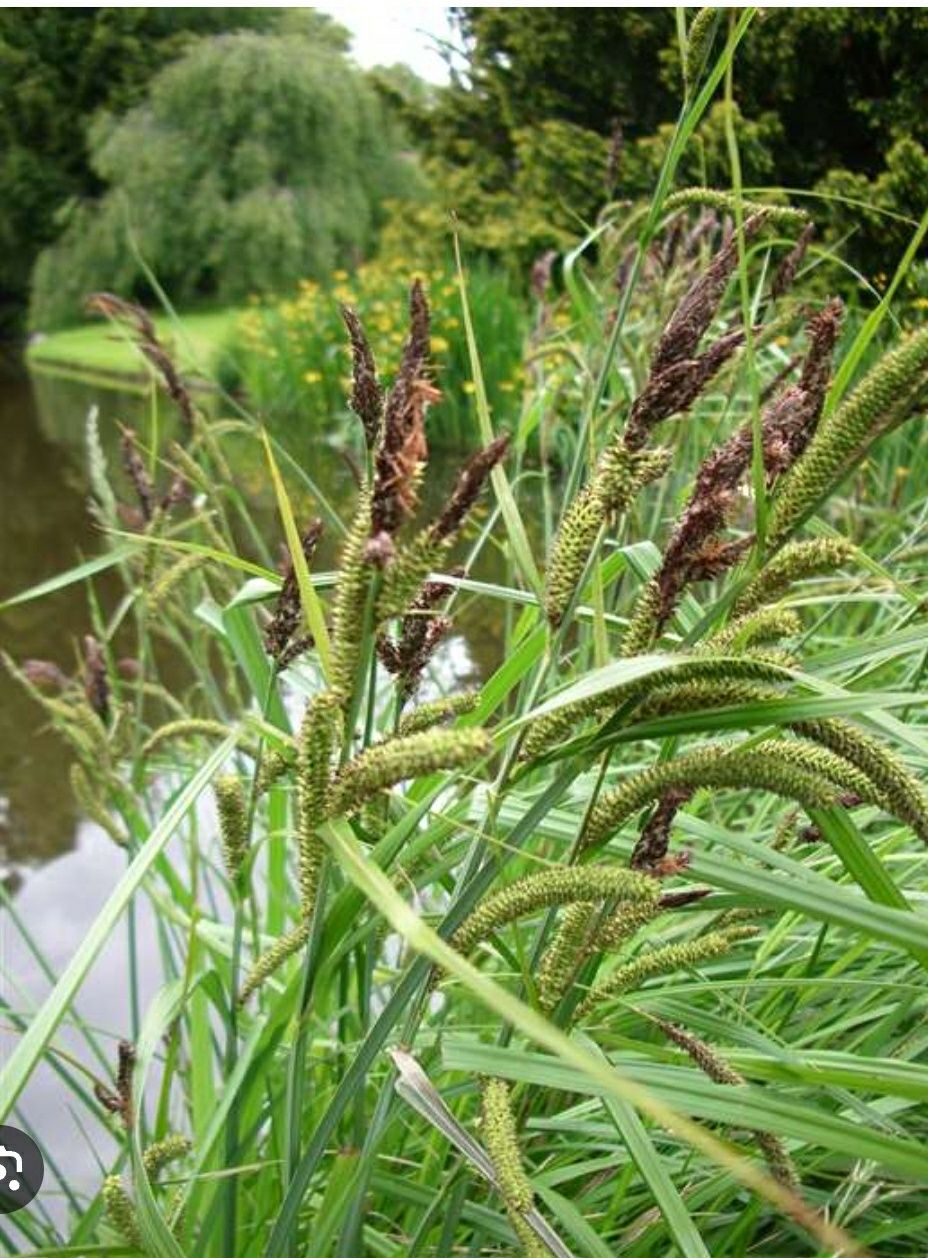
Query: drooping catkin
{"x": 162, "y": 589}
{"x": 716, "y": 765}
{"x": 274, "y": 764}
{"x": 901, "y": 793}
{"x": 643, "y": 624}
{"x": 884, "y": 398}
{"x": 189, "y": 727}
{"x": 663, "y": 960}
{"x": 316, "y": 749}
{"x": 557, "y": 725}
{"x": 348, "y": 607}
{"x": 794, "y": 562}
{"x": 565, "y": 953}
{"x": 96, "y": 682}
{"x": 437, "y": 712}
{"x": 713, "y": 1064}
{"x": 767, "y": 624}
{"x": 829, "y": 765}
{"x": 785, "y": 216}
{"x": 562, "y": 885}
{"x": 407, "y": 570}
{"x": 697, "y": 46}
{"x": 502, "y": 1143}
{"x": 620, "y": 475}
{"x": 399, "y": 759}
{"x": 315, "y": 753}
{"x": 120, "y": 1211}
{"x": 163, "y": 1152}
{"x": 579, "y": 528}
{"x": 584, "y": 930}
{"x": 696, "y": 696}
{"x": 273, "y": 958}
{"x": 233, "y": 823}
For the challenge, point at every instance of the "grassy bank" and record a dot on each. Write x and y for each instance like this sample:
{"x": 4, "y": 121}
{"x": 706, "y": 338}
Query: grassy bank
{"x": 102, "y": 352}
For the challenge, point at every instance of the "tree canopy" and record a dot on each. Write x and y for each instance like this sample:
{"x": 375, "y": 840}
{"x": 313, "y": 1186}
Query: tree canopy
{"x": 58, "y": 69}
{"x": 254, "y": 158}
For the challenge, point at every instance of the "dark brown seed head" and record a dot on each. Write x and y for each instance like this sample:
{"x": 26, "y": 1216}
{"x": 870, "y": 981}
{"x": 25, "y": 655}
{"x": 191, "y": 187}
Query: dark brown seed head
{"x": 137, "y": 473}
{"x": 96, "y": 686}
{"x": 471, "y": 480}
{"x": 366, "y": 391}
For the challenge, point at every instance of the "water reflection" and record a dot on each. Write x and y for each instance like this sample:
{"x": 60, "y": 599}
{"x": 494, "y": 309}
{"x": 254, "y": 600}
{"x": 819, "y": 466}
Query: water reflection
{"x": 45, "y": 527}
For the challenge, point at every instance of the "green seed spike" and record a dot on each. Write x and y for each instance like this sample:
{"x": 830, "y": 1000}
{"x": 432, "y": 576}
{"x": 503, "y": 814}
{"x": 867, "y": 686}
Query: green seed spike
{"x": 784, "y": 216}
{"x": 348, "y": 607}
{"x": 404, "y": 575}
{"x": 884, "y": 398}
{"x": 696, "y": 696}
{"x": 400, "y": 759}
{"x": 576, "y": 536}
{"x": 828, "y": 764}
{"x": 273, "y": 958}
{"x": 794, "y": 562}
{"x": 318, "y": 743}
{"x": 562, "y": 885}
{"x": 642, "y": 625}
{"x": 568, "y": 949}
{"x": 437, "y": 711}
{"x": 120, "y": 1211}
{"x": 161, "y": 591}
{"x": 900, "y": 792}
{"x": 274, "y": 765}
{"x": 711, "y": 1063}
{"x": 558, "y": 725}
{"x": 767, "y": 624}
{"x": 620, "y": 475}
{"x": 191, "y": 727}
{"x": 697, "y": 46}
{"x": 623, "y": 922}
{"x": 163, "y": 1152}
{"x": 716, "y": 765}
{"x": 233, "y": 823}
{"x": 502, "y": 1144}
{"x": 664, "y": 960}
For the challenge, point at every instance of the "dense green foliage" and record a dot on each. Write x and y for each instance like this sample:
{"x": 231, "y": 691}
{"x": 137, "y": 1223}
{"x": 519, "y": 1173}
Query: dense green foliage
{"x": 659, "y": 874}
{"x": 58, "y": 69}
{"x": 254, "y": 159}
{"x": 823, "y": 94}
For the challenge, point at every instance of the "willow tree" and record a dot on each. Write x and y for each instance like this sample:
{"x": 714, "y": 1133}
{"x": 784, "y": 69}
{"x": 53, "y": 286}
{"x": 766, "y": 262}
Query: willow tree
{"x": 255, "y": 159}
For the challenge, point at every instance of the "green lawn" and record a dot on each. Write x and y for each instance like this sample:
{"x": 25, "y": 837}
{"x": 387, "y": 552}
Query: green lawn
{"x": 101, "y": 349}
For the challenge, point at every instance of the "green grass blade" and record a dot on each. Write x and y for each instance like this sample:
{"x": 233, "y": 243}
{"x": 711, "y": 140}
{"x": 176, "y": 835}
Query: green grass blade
{"x": 30, "y": 1048}
{"x": 312, "y": 608}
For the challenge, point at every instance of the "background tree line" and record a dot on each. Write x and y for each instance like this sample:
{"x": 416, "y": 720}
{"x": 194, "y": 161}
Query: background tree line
{"x": 243, "y": 148}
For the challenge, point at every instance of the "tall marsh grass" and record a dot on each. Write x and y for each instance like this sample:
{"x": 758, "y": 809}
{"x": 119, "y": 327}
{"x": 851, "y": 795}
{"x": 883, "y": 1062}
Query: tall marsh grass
{"x": 622, "y": 951}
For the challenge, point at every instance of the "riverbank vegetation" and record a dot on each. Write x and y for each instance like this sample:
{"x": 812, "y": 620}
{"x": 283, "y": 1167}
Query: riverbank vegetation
{"x": 616, "y": 944}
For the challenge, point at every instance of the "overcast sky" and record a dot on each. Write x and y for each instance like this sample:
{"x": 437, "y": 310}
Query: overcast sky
{"x": 387, "y": 31}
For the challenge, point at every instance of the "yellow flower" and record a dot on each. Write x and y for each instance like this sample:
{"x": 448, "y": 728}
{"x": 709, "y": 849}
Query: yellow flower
{"x": 339, "y": 275}
{"x": 451, "y": 322}
{"x": 312, "y": 377}
{"x": 438, "y": 345}
{"x": 469, "y": 387}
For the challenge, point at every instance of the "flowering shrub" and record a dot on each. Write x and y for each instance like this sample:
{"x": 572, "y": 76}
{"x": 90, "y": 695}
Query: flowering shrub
{"x": 291, "y": 359}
